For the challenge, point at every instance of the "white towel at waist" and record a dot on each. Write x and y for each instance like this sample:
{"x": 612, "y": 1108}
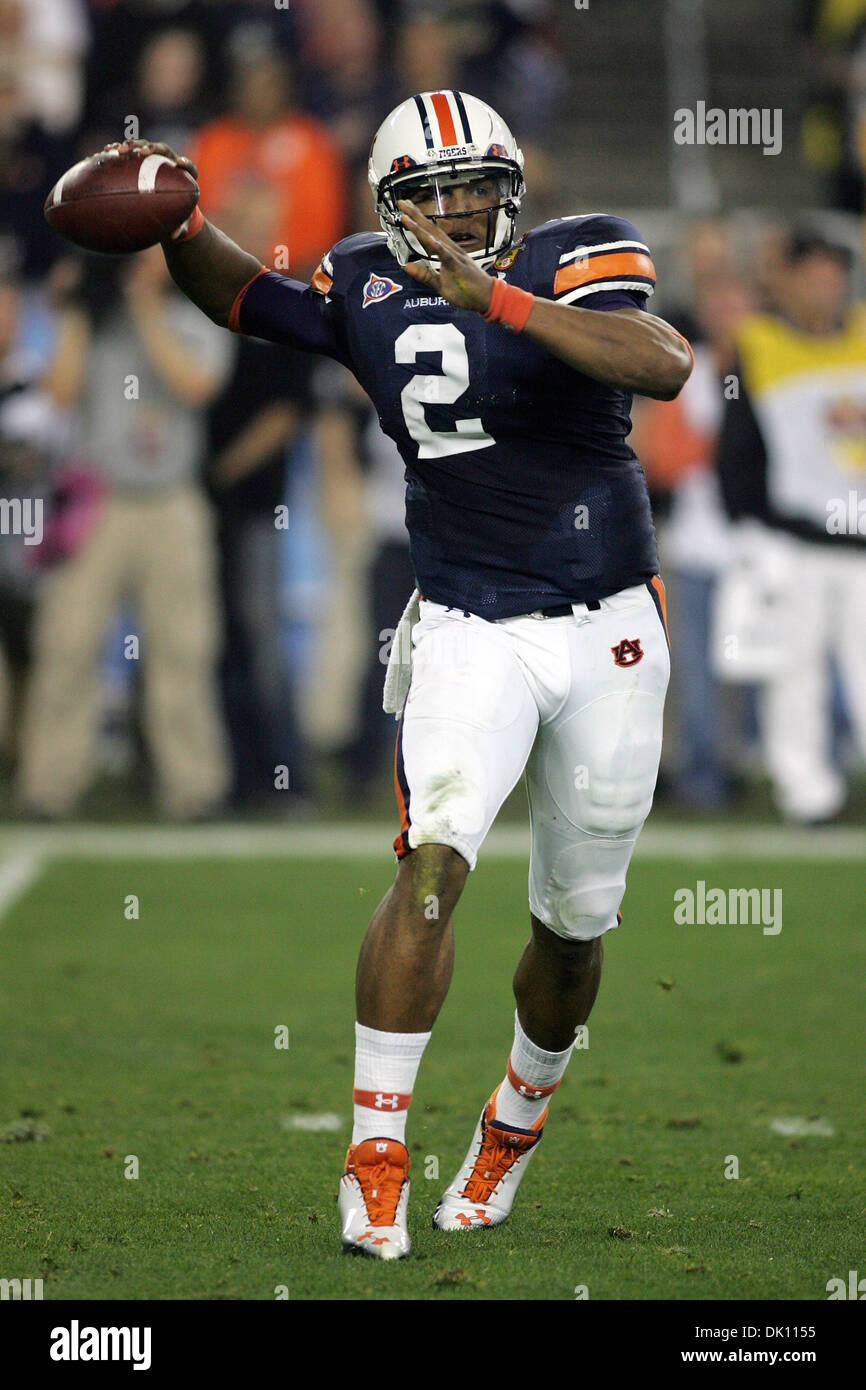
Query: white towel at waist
{"x": 399, "y": 671}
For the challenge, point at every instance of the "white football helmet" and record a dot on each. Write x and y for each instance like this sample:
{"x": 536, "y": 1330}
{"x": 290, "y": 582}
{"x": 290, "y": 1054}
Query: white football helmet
{"x": 437, "y": 139}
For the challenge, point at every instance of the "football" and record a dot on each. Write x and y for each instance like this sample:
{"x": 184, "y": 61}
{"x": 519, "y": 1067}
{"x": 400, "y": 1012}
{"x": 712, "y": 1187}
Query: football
{"x": 118, "y": 204}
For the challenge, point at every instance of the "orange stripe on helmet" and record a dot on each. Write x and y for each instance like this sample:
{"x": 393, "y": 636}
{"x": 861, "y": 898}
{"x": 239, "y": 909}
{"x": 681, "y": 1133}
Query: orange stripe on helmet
{"x": 583, "y": 272}
{"x": 444, "y": 117}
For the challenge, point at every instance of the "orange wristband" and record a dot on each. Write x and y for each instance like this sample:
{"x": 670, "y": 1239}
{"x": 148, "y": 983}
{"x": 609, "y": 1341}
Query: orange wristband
{"x": 196, "y": 222}
{"x": 509, "y": 306}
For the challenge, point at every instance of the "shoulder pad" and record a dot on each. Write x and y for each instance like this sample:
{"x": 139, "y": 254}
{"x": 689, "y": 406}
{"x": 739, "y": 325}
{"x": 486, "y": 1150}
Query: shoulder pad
{"x": 592, "y": 254}
{"x": 348, "y": 258}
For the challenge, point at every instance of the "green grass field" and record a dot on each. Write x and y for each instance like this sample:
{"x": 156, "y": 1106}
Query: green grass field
{"x": 155, "y": 1038}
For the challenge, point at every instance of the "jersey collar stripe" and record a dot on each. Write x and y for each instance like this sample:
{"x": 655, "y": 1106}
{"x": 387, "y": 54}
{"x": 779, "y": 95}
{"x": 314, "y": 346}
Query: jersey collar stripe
{"x": 425, "y": 121}
{"x": 464, "y": 119}
{"x": 602, "y": 247}
{"x": 599, "y": 286}
{"x": 447, "y": 132}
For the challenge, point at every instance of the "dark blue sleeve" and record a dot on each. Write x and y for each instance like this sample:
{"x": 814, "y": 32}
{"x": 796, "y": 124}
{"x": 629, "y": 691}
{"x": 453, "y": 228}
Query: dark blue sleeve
{"x": 288, "y": 312}
{"x": 615, "y": 299}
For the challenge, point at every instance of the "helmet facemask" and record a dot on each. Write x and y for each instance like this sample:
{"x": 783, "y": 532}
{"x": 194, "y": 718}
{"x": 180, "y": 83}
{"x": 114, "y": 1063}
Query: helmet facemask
{"x": 435, "y": 184}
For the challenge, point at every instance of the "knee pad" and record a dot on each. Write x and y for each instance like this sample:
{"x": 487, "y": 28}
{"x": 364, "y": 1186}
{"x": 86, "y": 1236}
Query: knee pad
{"x": 580, "y": 900}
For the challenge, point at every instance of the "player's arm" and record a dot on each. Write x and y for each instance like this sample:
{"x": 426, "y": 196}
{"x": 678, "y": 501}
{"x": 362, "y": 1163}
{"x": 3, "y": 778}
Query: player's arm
{"x": 626, "y": 348}
{"x": 211, "y": 270}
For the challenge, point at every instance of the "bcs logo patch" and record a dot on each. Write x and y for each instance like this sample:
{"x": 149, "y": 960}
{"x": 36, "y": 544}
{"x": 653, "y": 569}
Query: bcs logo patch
{"x": 627, "y": 653}
{"x": 510, "y": 256}
{"x": 379, "y": 287}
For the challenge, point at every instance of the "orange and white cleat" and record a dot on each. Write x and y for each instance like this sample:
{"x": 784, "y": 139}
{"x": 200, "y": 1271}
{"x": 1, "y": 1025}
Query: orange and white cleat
{"x": 374, "y": 1196}
{"x": 482, "y": 1194}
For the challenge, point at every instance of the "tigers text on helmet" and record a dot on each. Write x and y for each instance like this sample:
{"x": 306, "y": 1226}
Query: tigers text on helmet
{"x": 431, "y": 142}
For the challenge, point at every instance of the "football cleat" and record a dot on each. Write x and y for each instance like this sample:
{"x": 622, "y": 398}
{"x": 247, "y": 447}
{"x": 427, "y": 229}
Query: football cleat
{"x": 482, "y": 1194}
{"x": 374, "y": 1196}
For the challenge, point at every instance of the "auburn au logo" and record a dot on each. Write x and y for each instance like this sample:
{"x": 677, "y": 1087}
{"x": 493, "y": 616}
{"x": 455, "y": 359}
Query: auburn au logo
{"x": 627, "y": 653}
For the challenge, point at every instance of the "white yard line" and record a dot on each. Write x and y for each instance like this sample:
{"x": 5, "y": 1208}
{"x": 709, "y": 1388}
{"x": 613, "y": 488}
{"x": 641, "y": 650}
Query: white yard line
{"x": 26, "y": 848}
{"x": 18, "y": 872}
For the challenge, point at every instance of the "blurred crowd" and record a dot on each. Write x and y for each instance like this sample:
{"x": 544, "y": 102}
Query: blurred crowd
{"x": 210, "y": 552}
{"x": 834, "y": 125}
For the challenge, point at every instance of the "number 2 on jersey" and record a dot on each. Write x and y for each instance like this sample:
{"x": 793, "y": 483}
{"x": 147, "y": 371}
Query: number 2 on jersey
{"x": 442, "y": 389}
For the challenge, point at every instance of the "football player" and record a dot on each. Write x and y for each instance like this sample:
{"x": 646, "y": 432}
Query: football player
{"x": 504, "y": 371}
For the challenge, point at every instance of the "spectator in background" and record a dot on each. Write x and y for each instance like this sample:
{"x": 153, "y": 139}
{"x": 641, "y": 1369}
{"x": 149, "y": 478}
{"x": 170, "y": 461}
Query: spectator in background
{"x": 31, "y": 160}
{"x": 121, "y": 32}
{"x": 46, "y": 41}
{"x": 265, "y": 138}
{"x": 347, "y": 82}
{"x": 676, "y": 443}
{"x": 139, "y": 367}
{"x": 31, "y": 434}
{"x": 503, "y": 52}
{"x": 363, "y": 496}
{"x": 251, "y": 425}
{"x": 520, "y": 63}
{"x": 792, "y": 464}
{"x": 168, "y": 96}
{"x": 428, "y": 48}
{"x": 834, "y": 123}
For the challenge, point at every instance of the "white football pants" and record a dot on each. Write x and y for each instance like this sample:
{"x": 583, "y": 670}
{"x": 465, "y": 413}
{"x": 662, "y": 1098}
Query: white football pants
{"x": 574, "y": 704}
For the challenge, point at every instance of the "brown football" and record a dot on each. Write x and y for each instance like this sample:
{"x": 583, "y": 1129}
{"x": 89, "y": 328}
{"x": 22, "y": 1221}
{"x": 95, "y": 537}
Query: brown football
{"x": 113, "y": 204}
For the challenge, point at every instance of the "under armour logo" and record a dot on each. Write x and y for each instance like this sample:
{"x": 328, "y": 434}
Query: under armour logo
{"x": 381, "y": 1146}
{"x": 467, "y": 1220}
{"x": 526, "y": 1091}
{"x": 392, "y": 1102}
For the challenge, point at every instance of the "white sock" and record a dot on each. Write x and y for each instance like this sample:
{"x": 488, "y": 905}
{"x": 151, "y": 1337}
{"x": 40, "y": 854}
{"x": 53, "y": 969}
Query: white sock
{"x": 530, "y": 1070}
{"x": 386, "y": 1065}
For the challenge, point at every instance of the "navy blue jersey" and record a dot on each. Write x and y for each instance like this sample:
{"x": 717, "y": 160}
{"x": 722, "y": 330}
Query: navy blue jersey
{"x": 521, "y": 488}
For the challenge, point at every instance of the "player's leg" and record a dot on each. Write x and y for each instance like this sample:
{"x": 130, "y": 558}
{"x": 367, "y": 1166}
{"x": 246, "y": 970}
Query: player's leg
{"x": 465, "y": 734}
{"x": 407, "y": 956}
{"x": 555, "y": 985}
{"x": 590, "y": 779}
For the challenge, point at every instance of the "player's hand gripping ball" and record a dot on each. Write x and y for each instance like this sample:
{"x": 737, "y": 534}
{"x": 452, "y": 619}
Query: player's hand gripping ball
{"x": 126, "y": 198}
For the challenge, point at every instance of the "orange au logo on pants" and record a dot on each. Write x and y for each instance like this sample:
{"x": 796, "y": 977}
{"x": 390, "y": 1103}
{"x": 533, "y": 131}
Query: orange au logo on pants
{"x": 627, "y": 652}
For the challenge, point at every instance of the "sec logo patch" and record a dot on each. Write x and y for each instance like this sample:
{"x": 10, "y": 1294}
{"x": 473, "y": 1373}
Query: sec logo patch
{"x": 379, "y": 287}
